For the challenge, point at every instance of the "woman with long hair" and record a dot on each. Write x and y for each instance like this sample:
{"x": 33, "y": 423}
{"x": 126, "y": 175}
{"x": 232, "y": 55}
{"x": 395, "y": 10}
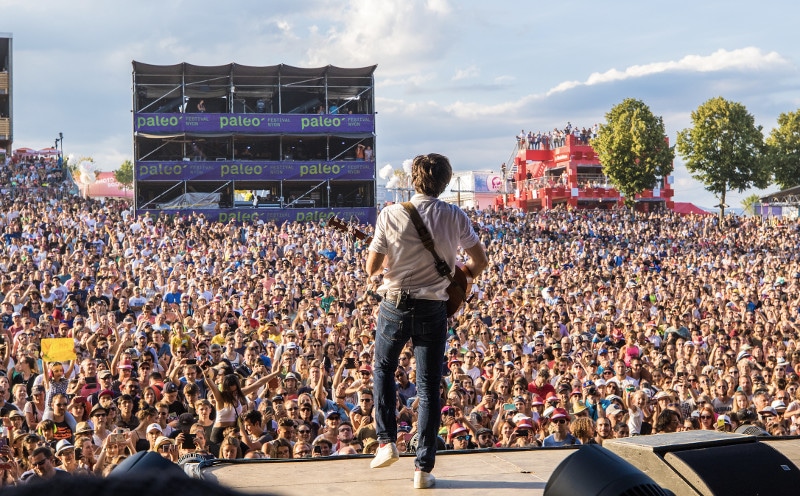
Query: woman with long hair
{"x": 24, "y": 372}
{"x": 230, "y": 448}
{"x": 151, "y": 396}
{"x": 707, "y": 418}
{"x": 147, "y": 415}
{"x": 231, "y": 401}
{"x": 79, "y": 408}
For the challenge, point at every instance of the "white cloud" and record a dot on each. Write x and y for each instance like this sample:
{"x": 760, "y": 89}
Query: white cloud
{"x": 504, "y": 79}
{"x": 466, "y": 73}
{"x": 406, "y": 32}
{"x": 749, "y": 58}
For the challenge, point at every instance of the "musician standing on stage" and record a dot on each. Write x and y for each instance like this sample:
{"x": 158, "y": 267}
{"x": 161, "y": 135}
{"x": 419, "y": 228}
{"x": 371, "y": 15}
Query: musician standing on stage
{"x": 414, "y": 304}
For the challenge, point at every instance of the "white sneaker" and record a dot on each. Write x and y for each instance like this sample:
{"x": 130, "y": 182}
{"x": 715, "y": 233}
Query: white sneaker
{"x": 423, "y": 480}
{"x": 385, "y": 456}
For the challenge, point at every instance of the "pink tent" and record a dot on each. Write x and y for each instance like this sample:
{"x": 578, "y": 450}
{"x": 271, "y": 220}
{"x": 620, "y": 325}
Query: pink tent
{"x": 47, "y": 151}
{"x": 686, "y": 208}
{"x": 24, "y": 152}
{"x": 106, "y": 186}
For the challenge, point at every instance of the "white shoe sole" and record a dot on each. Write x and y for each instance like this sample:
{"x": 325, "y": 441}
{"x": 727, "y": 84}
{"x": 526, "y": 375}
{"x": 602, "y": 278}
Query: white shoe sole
{"x": 385, "y": 463}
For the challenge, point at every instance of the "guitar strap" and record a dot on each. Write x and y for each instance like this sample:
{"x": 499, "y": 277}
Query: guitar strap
{"x": 427, "y": 241}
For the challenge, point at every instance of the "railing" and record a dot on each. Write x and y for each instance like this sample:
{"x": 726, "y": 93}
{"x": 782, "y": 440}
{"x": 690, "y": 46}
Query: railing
{"x": 5, "y": 127}
{"x": 4, "y": 82}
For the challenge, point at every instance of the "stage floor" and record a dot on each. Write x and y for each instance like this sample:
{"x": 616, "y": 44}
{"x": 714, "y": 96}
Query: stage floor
{"x": 503, "y": 472}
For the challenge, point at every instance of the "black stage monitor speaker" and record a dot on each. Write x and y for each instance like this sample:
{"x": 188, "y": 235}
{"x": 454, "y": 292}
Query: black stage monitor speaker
{"x": 144, "y": 462}
{"x": 595, "y": 471}
{"x": 710, "y": 463}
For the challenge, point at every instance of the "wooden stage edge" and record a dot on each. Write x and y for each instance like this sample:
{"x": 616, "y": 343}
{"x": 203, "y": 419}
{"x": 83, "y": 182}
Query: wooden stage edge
{"x": 504, "y": 472}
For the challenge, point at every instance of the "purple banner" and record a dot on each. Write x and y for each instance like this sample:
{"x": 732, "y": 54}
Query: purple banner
{"x": 254, "y": 171}
{"x": 253, "y": 123}
{"x": 366, "y": 215}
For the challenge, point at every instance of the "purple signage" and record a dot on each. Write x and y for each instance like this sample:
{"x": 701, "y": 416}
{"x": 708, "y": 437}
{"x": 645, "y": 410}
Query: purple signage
{"x": 253, "y": 123}
{"x": 365, "y": 215}
{"x": 254, "y": 171}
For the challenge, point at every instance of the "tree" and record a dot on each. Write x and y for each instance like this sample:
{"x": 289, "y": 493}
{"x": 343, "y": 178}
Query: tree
{"x": 783, "y": 150}
{"x": 124, "y": 175}
{"x": 724, "y": 149}
{"x": 749, "y": 203}
{"x": 633, "y": 148}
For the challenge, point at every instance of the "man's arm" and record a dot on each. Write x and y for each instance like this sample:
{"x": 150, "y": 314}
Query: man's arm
{"x": 375, "y": 263}
{"x": 478, "y": 261}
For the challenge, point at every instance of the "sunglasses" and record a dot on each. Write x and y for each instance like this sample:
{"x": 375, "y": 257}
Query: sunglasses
{"x": 559, "y": 421}
{"x": 40, "y": 462}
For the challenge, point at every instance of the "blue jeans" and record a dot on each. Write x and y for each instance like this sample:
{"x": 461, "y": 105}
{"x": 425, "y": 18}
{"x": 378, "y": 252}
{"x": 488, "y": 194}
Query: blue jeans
{"x": 426, "y": 325}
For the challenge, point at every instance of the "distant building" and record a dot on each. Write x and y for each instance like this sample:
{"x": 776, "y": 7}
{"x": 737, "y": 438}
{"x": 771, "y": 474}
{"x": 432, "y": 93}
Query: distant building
{"x": 571, "y": 175}
{"x": 784, "y": 203}
{"x": 6, "y": 94}
{"x": 475, "y": 189}
{"x": 247, "y": 143}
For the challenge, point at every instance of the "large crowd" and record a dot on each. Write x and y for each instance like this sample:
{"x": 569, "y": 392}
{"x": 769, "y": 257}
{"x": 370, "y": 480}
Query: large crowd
{"x": 557, "y": 137}
{"x": 197, "y": 339}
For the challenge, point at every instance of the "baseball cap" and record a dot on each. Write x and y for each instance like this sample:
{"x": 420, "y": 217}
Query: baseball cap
{"x": 524, "y": 423}
{"x": 559, "y": 413}
{"x": 457, "y": 429}
{"x": 186, "y": 420}
{"x": 170, "y": 387}
{"x": 153, "y": 427}
{"x": 105, "y": 392}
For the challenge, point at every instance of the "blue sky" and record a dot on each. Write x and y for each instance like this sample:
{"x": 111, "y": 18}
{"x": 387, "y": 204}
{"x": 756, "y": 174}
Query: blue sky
{"x": 456, "y": 77}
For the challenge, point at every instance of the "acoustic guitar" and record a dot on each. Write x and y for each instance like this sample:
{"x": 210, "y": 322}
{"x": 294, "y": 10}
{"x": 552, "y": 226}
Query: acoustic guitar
{"x": 457, "y": 291}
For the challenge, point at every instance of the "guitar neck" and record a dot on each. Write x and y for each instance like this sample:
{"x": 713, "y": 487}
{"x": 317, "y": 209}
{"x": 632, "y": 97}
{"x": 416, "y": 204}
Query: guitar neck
{"x": 345, "y": 228}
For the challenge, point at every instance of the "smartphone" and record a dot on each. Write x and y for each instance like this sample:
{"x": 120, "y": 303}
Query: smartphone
{"x": 510, "y": 407}
{"x": 350, "y": 363}
{"x": 117, "y": 438}
{"x": 318, "y": 450}
{"x": 188, "y": 441}
{"x": 191, "y": 361}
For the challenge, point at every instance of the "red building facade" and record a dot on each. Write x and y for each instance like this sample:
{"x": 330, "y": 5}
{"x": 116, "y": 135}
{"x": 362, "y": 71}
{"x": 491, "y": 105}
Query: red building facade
{"x": 571, "y": 175}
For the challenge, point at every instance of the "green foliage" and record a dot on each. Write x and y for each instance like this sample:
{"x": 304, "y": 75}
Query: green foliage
{"x": 124, "y": 175}
{"x": 749, "y": 203}
{"x": 633, "y": 149}
{"x": 783, "y": 150}
{"x": 724, "y": 149}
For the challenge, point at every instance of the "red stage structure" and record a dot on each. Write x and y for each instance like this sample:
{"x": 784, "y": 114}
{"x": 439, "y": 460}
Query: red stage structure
{"x": 571, "y": 175}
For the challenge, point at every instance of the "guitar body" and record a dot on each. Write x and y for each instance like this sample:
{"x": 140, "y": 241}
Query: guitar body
{"x": 457, "y": 290}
